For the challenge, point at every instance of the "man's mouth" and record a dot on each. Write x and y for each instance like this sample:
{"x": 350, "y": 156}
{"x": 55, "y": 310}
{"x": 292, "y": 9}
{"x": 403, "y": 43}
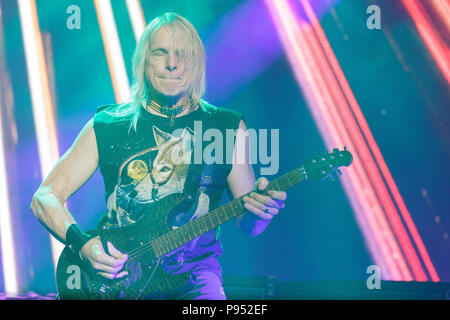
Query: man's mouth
{"x": 170, "y": 78}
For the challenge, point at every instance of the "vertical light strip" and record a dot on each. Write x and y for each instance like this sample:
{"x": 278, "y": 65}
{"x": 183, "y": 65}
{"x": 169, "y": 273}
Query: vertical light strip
{"x": 137, "y": 17}
{"x": 113, "y": 49}
{"x": 393, "y": 216}
{"x": 375, "y": 227}
{"x": 11, "y": 285}
{"x": 40, "y": 97}
{"x": 330, "y": 89}
{"x": 6, "y": 234}
{"x": 437, "y": 46}
{"x": 369, "y": 164}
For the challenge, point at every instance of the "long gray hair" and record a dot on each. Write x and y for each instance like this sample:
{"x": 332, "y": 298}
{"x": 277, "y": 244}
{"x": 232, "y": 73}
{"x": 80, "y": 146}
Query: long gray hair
{"x": 140, "y": 89}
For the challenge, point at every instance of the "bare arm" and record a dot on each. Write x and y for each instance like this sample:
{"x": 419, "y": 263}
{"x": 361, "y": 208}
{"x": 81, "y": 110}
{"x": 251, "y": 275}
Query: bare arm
{"x": 72, "y": 171}
{"x": 241, "y": 180}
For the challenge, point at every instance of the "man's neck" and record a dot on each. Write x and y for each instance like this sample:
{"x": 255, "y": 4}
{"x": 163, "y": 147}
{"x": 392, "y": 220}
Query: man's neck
{"x": 167, "y": 102}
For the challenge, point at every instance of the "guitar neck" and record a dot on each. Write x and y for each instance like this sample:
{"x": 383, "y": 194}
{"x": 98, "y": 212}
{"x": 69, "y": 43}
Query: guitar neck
{"x": 191, "y": 230}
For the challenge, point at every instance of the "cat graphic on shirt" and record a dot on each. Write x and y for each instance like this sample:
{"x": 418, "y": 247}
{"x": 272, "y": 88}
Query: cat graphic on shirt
{"x": 167, "y": 174}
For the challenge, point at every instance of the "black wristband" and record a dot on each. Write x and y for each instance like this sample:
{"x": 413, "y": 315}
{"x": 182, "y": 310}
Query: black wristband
{"x": 77, "y": 238}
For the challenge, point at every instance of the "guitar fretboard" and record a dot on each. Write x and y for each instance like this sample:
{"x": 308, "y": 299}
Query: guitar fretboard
{"x": 191, "y": 230}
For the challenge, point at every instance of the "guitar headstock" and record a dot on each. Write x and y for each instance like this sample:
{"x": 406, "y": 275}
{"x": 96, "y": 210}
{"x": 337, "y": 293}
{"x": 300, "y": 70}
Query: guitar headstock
{"x": 326, "y": 165}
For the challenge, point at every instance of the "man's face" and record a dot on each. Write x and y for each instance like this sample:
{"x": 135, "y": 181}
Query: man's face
{"x": 168, "y": 68}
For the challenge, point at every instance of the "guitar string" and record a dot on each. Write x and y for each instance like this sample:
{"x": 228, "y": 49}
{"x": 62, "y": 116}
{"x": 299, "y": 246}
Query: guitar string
{"x": 145, "y": 249}
{"x": 186, "y": 229}
{"x": 283, "y": 184}
{"x": 135, "y": 253}
{"x": 139, "y": 251}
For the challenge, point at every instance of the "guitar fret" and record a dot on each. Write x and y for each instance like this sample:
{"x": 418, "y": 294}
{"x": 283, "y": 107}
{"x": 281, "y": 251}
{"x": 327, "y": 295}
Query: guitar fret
{"x": 220, "y": 214}
{"x": 155, "y": 248}
{"x": 225, "y": 213}
{"x": 204, "y": 223}
{"x": 166, "y": 244}
{"x": 209, "y": 224}
{"x": 200, "y": 227}
{"x": 240, "y": 207}
{"x": 169, "y": 245}
{"x": 176, "y": 241}
{"x": 197, "y": 228}
{"x": 162, "y": 245}
{"x": 233, "y": 206}
{"x": 217, "y": 218}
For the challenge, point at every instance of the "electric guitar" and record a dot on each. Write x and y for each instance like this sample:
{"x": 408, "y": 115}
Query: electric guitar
{"x": 149, "y": 239}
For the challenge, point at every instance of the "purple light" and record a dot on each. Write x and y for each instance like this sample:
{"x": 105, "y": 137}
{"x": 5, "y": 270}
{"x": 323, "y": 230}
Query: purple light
{"x": 244, "y": 44}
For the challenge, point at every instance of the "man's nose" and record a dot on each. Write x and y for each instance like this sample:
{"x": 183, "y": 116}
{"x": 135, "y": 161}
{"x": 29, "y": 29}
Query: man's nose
{"x": 172, "y": 62}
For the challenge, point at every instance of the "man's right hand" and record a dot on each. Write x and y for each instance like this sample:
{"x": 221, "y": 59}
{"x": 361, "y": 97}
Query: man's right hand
{"x": 108, "y": 266}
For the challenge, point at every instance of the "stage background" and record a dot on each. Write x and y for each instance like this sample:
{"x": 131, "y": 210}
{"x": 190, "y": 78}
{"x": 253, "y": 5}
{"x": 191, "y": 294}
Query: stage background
{"x": 316, "y": 237}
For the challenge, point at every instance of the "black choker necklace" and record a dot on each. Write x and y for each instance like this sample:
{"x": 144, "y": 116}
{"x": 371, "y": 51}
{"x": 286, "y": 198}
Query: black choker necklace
{"x": 171, "y": 112}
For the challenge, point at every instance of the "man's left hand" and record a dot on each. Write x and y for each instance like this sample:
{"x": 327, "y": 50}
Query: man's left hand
{"x": 264, "y": 206}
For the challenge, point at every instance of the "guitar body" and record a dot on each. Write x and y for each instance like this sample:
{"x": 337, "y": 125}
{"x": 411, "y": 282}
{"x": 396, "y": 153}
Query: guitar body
{"x": 77, "y": 280}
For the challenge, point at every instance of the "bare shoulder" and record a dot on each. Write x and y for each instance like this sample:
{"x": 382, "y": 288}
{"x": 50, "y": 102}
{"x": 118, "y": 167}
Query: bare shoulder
{"x": 84, "y": 148}
{"x": 86, "y": 137}
{"x": 76, "y": 165}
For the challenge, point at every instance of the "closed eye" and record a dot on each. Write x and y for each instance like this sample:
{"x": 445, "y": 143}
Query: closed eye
{"x": 159, "y": 52}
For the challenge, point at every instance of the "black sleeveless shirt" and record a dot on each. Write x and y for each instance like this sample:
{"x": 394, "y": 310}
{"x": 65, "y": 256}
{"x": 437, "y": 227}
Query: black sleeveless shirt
{"x": 193, "y": 155}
